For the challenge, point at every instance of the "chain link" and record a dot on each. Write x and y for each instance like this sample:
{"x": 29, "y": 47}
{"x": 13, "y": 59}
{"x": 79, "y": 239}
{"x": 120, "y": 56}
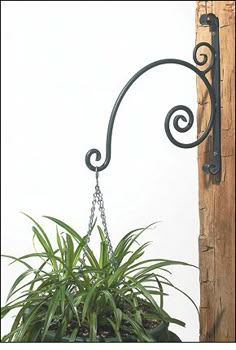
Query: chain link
{"x": 98, "y": 198}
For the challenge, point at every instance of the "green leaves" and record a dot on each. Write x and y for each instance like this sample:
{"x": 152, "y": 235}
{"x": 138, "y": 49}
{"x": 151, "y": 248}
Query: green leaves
{"x": 104, "y": 257}
{"x": 17, "y": 281}
{"x": 88, "y": 303}
{"x": 93, "y": 326}
{"x": 138, "y": 330}
{"x": 78, "y": 238}
{"x": 116, "y": 324}
{"x": 69, "y": 252}
{"x": 54, "y": 303}
{"x": 57, "y": 292}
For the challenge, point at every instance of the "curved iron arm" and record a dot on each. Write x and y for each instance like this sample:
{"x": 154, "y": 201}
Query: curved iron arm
{"x": 213, "y": 90}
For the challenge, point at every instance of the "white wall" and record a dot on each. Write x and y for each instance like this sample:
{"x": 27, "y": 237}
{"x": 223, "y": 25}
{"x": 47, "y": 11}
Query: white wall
{"x": 63, "y": 65}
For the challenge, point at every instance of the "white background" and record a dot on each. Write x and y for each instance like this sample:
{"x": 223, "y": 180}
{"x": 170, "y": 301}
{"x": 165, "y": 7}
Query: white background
{"x": 63, "y": 65}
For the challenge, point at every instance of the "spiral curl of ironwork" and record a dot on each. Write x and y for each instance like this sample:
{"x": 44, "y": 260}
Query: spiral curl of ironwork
{"x": 204, "y": 56}
{"x": 180, "y": 117}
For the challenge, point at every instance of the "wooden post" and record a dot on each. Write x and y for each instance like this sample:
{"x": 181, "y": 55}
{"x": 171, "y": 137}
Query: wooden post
{"x": 216, "y": 198}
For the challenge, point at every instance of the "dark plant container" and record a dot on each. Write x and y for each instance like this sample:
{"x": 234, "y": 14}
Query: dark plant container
{"x": 160, "y": 334}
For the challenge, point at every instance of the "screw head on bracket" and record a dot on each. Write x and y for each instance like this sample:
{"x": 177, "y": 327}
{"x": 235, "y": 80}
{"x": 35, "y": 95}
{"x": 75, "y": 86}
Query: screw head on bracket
{"x": 210, "y": 169}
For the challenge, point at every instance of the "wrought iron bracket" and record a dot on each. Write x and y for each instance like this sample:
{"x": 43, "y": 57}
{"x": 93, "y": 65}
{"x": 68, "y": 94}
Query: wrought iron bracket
{"x": 213, "y": 89}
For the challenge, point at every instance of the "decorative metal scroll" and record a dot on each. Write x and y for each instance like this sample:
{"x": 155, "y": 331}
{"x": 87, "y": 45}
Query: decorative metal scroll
{"x": 213, "y": 88}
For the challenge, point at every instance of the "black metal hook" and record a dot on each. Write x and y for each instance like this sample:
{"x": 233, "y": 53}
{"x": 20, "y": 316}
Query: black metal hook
{"x": 213, "y": 90}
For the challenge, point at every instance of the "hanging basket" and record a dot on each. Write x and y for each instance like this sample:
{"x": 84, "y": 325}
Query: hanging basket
{"x": 160, "y": 334}
{"x": 136, "y": 317}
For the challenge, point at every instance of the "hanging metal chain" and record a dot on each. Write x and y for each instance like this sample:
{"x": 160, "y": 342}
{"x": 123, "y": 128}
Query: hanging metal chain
{"x": 98, "y": 198}
{"x": 90, "y": 227}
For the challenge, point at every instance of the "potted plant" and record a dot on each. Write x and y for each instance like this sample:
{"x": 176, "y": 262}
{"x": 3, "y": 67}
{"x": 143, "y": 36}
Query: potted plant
{"x": 66, "y": 299}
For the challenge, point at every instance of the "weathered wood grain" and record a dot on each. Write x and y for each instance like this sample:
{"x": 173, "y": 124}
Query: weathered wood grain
{"x": 217, "y": 199}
